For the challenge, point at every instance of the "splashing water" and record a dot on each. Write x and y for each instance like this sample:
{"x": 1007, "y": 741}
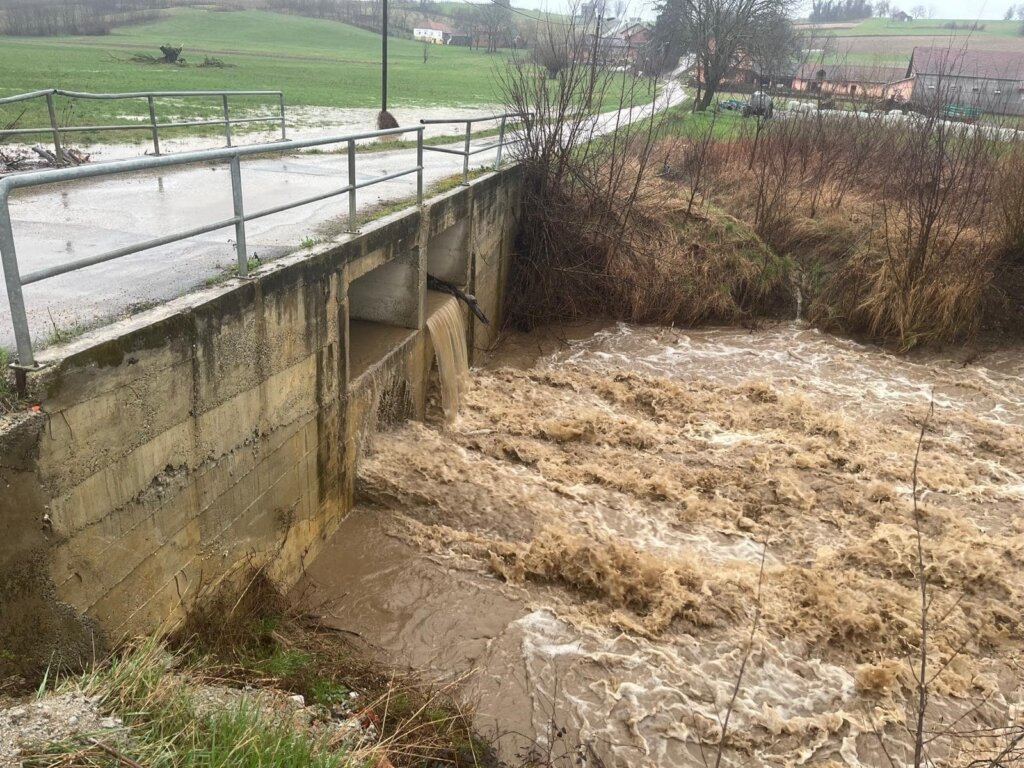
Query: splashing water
{"x": 448, "y": 335}
{"x": 586, "y": 540}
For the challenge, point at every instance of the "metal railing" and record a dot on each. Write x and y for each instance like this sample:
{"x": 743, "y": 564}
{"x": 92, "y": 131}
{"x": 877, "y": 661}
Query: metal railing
{"x": 57, "y": 131}
{"x": 15, "y": 281}
{"x": 467, "y": 151}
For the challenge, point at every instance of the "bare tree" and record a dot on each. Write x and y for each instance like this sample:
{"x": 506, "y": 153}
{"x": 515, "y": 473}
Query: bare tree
{"x": 551, "y": 50}
{"x": 719, "y": 33}
{"x": 776, "y": 50}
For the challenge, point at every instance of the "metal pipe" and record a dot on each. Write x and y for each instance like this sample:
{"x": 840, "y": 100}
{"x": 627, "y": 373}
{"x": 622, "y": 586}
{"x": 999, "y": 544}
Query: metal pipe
{"x": 444, "y": 150}
{"x": 501, "y": 141}
{"x": 57, "y": 175}
{"x": 451, "y": 121}
{"x": 137, "y": 127}
{"x": 295, "y": 204}
{"x": 419, "y": 167}
{"x": 58, "y": 150}
{"x": 352, "y": 187}
{"x": 153, "y": 126}
{"x": 465, "y": 159}
{"x": 55, "y": 129}
{"x": 227, "y": 119}
{"x": 8, "y": 258}
{"x": 19, "y": 319}
{"x": 128, "y": 250}
{"x": 236, "y": 200}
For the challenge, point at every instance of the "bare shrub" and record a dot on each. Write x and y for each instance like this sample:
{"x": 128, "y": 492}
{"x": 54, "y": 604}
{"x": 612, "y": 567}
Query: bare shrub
{"x": 601, "y": 235}
{"x": 925, "y": 273}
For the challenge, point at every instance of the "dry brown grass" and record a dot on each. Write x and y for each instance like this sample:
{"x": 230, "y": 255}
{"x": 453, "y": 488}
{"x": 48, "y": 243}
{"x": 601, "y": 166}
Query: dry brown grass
{"x": 904, "y": 233}
{"x": 660, "y": 264}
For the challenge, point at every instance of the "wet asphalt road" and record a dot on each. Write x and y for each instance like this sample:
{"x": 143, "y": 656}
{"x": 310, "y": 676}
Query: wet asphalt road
{"x": 54, "y": 225}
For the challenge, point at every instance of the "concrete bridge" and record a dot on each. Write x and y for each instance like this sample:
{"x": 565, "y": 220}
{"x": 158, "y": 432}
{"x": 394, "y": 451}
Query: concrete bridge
{"x": 222, "y": 428}
{"x": 173, "y": 449}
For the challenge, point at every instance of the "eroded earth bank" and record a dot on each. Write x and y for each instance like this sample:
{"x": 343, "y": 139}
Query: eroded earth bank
{"x": 584, "y": 545}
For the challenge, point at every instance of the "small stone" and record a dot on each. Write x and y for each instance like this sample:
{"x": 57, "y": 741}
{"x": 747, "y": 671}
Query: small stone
{"x": 297, "y": 699}
{"x": 745, "y": 524}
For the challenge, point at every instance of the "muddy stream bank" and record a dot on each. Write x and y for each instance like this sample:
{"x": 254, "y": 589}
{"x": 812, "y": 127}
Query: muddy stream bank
{"x": 584, "y": 544}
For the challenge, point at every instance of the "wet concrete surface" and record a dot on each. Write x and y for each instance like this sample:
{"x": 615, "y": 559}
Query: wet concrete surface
{"x": 62, "y": 223}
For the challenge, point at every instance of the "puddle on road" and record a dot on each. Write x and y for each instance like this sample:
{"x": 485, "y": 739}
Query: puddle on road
{"x": 586, "y": 538}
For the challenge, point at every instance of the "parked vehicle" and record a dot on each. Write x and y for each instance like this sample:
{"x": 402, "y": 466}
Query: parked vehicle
{"x": 760, "y": 104}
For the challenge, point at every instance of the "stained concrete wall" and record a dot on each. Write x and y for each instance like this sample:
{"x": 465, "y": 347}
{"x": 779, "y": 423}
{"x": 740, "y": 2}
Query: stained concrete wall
{"x": 173, "y": 449}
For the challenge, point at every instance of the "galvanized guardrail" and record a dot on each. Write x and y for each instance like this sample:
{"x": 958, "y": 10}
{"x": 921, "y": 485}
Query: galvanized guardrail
{"x": 467, "y": 151}
{"x": 57, "y": 131}
{"x": 15, "y": 281}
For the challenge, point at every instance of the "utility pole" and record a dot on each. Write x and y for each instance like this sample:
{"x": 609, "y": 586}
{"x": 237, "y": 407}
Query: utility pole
{"x": 384, "y": 60}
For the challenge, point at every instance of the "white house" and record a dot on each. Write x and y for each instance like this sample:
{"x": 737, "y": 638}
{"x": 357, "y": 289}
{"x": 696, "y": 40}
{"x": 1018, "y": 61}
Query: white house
{"x": 432, "y": 32}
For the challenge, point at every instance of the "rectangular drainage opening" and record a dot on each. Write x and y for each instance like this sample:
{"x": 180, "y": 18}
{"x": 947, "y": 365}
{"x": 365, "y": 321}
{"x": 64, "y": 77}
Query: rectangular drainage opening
{"x": 383, "y": 312}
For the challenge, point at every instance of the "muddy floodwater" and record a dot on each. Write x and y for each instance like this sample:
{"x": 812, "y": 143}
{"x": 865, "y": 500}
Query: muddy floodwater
{"x": 612, "y": 524}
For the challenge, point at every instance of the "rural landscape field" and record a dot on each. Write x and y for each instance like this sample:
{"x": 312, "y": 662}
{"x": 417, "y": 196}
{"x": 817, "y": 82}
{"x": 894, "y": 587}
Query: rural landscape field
{"x": 886, "y": 41}
{"x": 315, "y": 62}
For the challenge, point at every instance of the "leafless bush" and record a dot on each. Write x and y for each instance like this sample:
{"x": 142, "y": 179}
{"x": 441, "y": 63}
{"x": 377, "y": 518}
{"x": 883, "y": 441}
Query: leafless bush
{"x": 582, "y": 173}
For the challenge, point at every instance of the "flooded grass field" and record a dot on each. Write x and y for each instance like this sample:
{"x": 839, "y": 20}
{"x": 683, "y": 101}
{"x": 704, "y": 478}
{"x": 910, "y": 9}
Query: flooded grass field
{"x": 608, "y": 532}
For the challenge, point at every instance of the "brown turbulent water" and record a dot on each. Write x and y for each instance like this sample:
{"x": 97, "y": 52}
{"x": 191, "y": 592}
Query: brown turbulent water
{"x": 585, "y": 540}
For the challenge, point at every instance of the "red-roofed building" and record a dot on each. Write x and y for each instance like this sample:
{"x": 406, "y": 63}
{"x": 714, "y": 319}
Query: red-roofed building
{"x": 432, "y": 32}
{"x": 990, "y": 81}
{"x": 854, "y": 81}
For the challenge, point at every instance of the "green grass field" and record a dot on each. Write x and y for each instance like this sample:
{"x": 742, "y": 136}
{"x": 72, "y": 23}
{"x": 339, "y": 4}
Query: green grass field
{"x": 315, "y": 62}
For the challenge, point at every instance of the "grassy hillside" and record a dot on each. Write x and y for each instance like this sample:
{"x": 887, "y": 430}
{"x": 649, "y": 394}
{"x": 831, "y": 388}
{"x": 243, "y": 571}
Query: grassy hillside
{"x": 315, "y": 62}
{"x": 885, "y": 41}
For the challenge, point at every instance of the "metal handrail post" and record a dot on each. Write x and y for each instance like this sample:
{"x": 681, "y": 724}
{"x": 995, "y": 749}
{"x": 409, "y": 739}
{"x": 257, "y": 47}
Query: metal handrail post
{"x": 227, "y": 120}
{"x": 58, "y": 149}
{"x": 352, "y": 228}
{"x": 465, "y": 158}
{"x": 419, "y": 165}
{"x": 153, "y": 126}
{"x": 9, "y": 259}
{"x": 236, "y": 199}
{"x": 501, "y": 143}
{"x": 284, "y": 134}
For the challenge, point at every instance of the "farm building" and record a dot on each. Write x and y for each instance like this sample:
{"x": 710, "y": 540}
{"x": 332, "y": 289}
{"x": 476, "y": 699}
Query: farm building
{"x": 432, "y": 32}
{"x": 989, "y": 81}
{"x": 872, "y": 82}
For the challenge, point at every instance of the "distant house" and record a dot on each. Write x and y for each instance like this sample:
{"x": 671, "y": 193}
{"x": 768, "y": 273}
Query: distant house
{"x": 741, "y": 72}
{"x": 902, "y": 17}
{"x": 859, "y": 82}
{"x": 432, "y": 32}
{"x": 989, "y": 81}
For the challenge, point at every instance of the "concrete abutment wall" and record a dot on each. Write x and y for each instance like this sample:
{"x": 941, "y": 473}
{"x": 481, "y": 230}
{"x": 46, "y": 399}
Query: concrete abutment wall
{"x": 221, "y": 429}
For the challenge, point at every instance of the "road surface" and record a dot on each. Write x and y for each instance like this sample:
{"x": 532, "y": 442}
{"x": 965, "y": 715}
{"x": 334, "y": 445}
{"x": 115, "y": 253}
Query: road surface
{"x": 54, "y": 225}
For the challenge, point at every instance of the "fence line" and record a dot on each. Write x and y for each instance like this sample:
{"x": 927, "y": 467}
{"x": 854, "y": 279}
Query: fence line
{"x": 467, "y": 151}
{"x": 15, "y": 280}
{"x": 57, "y": 131}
